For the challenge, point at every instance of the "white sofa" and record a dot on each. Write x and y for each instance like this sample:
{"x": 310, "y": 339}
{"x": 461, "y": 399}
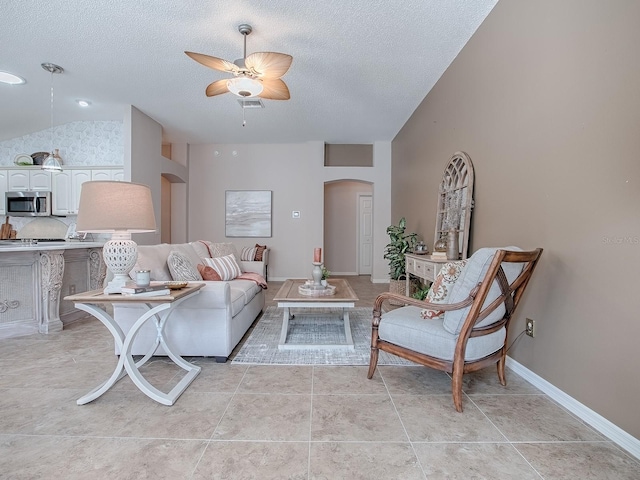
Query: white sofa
{"x": 212, "y": 322}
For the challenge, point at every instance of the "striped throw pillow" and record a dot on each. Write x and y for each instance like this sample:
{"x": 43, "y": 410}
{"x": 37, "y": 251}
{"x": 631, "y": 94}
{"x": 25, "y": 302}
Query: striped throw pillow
{"x": 226, "y": 266}
{"x": 248, "y": 254}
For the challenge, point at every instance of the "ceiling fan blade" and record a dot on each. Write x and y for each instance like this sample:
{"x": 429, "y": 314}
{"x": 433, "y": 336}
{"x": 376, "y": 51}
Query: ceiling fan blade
{"x": 217, "y": 87}
{"x": 268, "y": 64}
{"x": 274, "y": 89}
{"x": 213, "y": 62}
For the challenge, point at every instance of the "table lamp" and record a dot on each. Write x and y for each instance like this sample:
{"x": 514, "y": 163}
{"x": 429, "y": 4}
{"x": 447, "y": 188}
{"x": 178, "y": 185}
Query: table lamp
{"x": 119, "y": 208}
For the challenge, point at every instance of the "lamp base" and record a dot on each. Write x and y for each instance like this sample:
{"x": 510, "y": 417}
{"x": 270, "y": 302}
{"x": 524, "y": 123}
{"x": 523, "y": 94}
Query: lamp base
{"x": 120, "y": 255}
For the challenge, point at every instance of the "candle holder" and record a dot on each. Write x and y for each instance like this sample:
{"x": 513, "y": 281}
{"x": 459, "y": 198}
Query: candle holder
{"x": 316, "y": 274}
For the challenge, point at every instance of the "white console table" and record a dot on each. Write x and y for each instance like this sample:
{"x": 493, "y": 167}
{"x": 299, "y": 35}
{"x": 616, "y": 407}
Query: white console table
{"x": 421, "y": 266}
{"x": 159, "y": 309}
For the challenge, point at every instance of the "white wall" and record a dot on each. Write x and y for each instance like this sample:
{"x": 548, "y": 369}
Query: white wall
{"x": 145, "y": 164}
{"x": 296, "y": 175}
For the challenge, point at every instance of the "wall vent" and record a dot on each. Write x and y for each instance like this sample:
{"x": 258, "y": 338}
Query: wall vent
{"x": 250, "y": 103}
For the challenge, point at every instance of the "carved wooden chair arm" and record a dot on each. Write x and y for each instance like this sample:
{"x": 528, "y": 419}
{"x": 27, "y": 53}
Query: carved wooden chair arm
{"x": 377, "y": 304}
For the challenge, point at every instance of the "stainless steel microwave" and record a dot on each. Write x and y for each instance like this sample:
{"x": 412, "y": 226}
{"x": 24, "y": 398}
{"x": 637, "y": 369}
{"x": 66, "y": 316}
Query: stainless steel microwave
{"x": 28, "y": 204}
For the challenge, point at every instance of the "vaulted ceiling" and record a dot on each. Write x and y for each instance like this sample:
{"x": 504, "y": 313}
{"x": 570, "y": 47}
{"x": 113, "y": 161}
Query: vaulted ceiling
{"x": 360, "y": 68}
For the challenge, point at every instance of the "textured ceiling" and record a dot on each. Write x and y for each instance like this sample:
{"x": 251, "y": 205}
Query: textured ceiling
{"x": 360, "y": 68}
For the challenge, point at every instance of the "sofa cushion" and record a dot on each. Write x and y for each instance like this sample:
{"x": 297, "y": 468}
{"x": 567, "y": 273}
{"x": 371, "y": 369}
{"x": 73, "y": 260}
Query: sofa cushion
{"x": 249, "y": 288}
{"x": 181, "y": 267}
{"x": 471, "y": 275}
{"x": 154, "y": 259}
{"x": 208, "y": 273}
{"x": 237, "y": 301}
{"x": 202, "y": 248}
{"x": 226, "y": 266}
{"x": 441, "y": 287}
{"x": 404, "y": 327}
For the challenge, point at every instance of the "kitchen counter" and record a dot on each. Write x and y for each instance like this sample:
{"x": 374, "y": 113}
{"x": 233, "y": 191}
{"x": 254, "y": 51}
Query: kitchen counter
{"x": 16, "y": 246}
{"x": 33, "y": 277}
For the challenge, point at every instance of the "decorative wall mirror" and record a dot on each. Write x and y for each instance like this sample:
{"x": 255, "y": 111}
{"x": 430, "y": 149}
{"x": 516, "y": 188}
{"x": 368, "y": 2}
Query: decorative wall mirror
{"x": 455, "y": 202}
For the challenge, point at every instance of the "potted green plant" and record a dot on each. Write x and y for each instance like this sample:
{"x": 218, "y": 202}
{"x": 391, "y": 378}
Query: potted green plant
{"x": 400, "y": 244}
{"x": 325, "y": 275}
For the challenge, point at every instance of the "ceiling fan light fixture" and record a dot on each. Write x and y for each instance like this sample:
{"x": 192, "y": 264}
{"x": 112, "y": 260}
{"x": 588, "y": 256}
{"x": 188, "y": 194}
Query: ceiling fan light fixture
{"x": 245, "y": 86}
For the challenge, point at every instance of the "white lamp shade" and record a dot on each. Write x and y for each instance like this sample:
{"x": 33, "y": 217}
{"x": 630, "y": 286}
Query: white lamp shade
{"x": 245, "y": 86}
{"x": 108, "y": 207}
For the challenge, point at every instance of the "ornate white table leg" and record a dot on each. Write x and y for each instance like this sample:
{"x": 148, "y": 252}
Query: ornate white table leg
{"x": 161, "y": 313}
{"x": 52, "y": 270}
{"x": 118, "y": 336}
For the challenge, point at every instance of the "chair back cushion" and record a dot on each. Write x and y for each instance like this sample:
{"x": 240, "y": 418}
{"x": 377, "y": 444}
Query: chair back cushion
{"x": 473, "y": 273}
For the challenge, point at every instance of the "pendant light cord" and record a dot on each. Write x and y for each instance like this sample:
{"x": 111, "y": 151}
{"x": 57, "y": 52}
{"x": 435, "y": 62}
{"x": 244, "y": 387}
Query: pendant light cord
{"x": 51, "y": 112}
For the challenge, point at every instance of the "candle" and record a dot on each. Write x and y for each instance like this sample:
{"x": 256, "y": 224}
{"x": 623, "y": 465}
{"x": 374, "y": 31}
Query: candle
{"x": 317, "y": 255}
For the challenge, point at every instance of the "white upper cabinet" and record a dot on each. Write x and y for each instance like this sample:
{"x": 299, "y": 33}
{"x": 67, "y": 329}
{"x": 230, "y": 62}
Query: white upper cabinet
{"x": 3, "y": 190}
{"x": 29, "y": 180}
{"x": 67, "y": 186}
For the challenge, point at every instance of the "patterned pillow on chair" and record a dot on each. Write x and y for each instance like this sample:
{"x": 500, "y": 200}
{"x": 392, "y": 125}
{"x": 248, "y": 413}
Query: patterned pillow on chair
{"x": 441, "y": 287}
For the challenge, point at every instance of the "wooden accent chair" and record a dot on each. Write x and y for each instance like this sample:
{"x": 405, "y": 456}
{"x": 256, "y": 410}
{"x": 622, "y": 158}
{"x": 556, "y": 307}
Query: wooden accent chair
{"x": 473, "y": 331}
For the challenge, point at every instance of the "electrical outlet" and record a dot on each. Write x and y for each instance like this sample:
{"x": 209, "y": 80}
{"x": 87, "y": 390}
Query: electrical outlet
{"x": 530, "y": 327}
{"x": 72, "y": 289}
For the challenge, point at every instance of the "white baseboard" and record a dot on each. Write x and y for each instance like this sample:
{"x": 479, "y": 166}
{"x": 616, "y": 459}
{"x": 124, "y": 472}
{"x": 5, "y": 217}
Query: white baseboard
{"x": 597, "y": 421}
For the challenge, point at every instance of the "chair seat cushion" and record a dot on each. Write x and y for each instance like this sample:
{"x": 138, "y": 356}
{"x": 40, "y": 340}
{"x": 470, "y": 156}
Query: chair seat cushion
{"x": 406, "y": 328}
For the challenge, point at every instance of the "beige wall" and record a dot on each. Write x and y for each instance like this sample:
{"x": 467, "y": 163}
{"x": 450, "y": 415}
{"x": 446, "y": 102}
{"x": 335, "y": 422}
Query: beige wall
{"x": 544, "y": 98}
{"x": 296, "y": 176}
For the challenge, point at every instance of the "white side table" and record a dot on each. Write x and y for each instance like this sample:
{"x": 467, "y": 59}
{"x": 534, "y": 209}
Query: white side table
{"x": 159, "y": 309}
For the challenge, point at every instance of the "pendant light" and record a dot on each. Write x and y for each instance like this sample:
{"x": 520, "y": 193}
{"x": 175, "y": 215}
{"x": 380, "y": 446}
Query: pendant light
{"x": 53, "y": 162}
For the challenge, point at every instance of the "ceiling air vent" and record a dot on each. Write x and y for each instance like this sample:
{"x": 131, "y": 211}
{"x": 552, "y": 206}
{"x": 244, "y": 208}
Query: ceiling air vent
{"x": 250, "y": 103}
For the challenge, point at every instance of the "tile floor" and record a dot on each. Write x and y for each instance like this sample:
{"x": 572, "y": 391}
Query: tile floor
{"x": 263, "y": 422}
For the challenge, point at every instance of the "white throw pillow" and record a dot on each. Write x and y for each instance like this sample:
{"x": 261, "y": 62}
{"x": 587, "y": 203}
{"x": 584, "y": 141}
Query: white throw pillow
{"x": 226, "y": 266}
{"x": 181, "y": 268}
{"x": 223, "y": 249}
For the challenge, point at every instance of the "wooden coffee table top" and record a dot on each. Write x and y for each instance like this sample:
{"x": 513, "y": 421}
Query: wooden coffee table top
{"x": 289, "y": 292}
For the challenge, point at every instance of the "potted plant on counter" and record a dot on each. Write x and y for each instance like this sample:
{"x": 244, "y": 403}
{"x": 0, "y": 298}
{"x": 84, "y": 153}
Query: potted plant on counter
{"x": 400, "y": 244}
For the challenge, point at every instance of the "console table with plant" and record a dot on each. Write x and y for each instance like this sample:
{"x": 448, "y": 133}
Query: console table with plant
{"x": 453, "y": 221}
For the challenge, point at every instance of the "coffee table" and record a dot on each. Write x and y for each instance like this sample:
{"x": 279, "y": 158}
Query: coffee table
{"x": 288, "y": 297}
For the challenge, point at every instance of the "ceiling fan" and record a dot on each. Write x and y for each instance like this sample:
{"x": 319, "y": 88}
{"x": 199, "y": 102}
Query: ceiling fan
{"x": 256, "y": 75}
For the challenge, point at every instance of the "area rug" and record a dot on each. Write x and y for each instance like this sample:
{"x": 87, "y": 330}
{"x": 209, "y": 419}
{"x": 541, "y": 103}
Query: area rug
{"x": 315, "y": 326}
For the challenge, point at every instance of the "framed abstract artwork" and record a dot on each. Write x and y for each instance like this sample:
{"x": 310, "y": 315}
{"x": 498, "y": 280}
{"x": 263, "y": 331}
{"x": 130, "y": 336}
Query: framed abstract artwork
{"x": 248, "y": 213}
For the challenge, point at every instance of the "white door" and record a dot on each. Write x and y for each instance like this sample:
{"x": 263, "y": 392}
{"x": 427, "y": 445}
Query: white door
{"x": 62, "y": 193}
{"x": 3, "y": 190}
{"x": 79, "y": 177}
{"x": 365, "y": 234}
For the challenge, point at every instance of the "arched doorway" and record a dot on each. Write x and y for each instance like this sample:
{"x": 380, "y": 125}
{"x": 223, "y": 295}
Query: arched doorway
{"x": 348, "y": 227}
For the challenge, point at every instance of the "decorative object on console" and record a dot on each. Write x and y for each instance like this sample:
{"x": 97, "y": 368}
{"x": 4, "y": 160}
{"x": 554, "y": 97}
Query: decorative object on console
{"x": 53, "y": 162}
{"x": 453, "y": 249}
{"x": 119, "y": 208}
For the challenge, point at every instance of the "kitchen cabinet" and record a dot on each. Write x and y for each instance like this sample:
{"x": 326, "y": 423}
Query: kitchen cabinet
{"x": 67, "y": 186}
{"x": 108, "y": 174}
{"x": 29, "y": 180}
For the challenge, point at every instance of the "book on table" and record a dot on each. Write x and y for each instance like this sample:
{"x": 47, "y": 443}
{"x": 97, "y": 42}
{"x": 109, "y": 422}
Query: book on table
{"x": 152, "y": 293}
{"x": 133, "y": 288}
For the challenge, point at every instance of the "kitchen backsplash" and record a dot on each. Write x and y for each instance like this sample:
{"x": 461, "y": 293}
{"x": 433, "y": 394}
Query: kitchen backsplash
{"x": 97, "y": 143}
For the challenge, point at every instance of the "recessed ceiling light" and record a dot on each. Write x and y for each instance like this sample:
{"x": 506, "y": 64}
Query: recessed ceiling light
{"x": 11, "y": 79}
{"x": 83, "y": 103}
